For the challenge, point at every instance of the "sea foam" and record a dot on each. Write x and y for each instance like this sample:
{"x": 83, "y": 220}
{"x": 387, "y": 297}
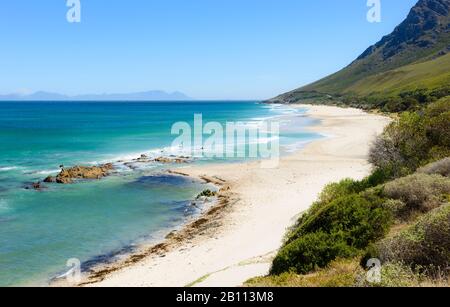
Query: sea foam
{"x": 8, "y": 168}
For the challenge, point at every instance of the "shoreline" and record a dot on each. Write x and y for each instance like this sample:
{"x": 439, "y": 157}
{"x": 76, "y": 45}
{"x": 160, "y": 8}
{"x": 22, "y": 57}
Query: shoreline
{"x": 220, "y": 247}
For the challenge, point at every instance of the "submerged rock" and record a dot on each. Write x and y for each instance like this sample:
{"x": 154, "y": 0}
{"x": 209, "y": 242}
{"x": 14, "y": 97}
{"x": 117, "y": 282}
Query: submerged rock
{"x": 142, "y": 158}
{"x": 50, "y": 179}
{"x": 167, "y": 160}
{"x": 131, "y": 166}
{"x": 163, "y": 160}
{"x": 35, "y": 186}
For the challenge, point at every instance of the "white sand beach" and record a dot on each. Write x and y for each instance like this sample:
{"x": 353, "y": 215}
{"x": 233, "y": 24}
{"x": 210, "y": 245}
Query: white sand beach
{"x": 261, "y": 204}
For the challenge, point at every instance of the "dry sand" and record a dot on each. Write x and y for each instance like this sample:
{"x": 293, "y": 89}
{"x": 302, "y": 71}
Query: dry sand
{"x": 258, "y": 205}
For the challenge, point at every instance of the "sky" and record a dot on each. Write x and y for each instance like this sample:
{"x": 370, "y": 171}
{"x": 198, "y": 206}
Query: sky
{"x": 207, "y": 49}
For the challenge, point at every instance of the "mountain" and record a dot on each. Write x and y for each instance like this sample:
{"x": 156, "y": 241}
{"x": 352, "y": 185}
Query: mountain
{"x": 416, "y": 55}
{"x": 141, "y": 96}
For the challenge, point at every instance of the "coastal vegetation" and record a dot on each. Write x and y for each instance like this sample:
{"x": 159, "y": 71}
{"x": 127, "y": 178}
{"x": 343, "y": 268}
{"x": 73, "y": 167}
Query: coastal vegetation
{"x": 399, "y": 214}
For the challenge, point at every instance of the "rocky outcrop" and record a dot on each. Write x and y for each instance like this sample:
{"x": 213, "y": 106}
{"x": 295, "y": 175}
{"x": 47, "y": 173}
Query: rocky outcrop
{"x": 67, "y": 176}
{"x": 143, "y": 159}
{"x": 206, "y": 194}
{"x": 426, "y": 25}
{"x": 166, "y": 160}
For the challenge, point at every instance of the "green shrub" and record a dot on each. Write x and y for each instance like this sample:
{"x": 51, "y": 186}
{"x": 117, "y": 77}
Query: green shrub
{"x": 402, "y": 147}
{"x": 418, "y": 193}
{"x": 397, "y": 207}
{"x": 397, "y": 104}
{"x": 378, "y": 176}
{"x": 437, "y": 119}
{"x": 415, "y": 139}
{"x": 310, "y": 252}
{"x": 333, "y": 191}
{"x": 441, "y": 167}
{"x": 425, "y": 244}
{"x": 337, "y": 229}
{"x": 336, "y": 190}
{"x": 357, "y": 220}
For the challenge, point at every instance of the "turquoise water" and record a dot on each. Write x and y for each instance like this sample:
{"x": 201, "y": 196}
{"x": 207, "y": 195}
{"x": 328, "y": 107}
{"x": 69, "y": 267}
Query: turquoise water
{"x": 40, "y": 230}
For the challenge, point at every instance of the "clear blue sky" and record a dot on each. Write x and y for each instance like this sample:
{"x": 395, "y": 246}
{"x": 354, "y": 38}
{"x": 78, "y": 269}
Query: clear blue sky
{"x": 209, "y": 49}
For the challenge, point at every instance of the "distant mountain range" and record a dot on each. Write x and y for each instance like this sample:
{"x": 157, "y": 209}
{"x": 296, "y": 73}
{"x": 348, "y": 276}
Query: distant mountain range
{"x": 141, "y": 96}
{"x": 416, "y": 55}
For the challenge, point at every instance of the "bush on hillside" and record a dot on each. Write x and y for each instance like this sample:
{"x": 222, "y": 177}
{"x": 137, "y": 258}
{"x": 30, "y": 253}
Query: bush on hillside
{"x": 437, "y": 119}
{"x": 397, "y": 104}
{"x": 426, "y": 244}
{"x": 334, "y": 191}
{"x": 441, "y": 167}
{"x": 416, "y": 193}
{"x": 310, "y": 252}
{"x": 415, "y": 139}
{"x": 346, "y": 187}
{"x": 336, "y": 229}
{"x": 358, "y": 220}
{"x": 378, "y": 176}
{"x": 402, "y": 147}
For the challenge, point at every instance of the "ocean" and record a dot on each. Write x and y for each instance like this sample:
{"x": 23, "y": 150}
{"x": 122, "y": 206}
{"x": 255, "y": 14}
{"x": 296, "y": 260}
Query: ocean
{"x": 95, "y": 221}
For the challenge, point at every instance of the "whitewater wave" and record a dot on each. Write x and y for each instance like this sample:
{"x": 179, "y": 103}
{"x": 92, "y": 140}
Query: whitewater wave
{"x": 122, "y": 161}
{"x": 47, "y": 172}
{"x": 8, "y": 168}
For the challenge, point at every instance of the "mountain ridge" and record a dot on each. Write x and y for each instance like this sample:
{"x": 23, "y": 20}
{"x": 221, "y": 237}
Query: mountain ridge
{"x": 423, "y": 37}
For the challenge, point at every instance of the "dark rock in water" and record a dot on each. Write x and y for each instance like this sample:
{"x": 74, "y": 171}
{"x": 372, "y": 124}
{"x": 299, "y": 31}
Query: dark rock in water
{"x": 163, "y": 160}
{"x": 35, "y": 186}
{"x": 64, "y": 180}
{"x": 206, "y": 194}
{"x": 131, "y": 166}
{"x": 172, "y": 159}
{"x": 50, "y": 179}
{"x": 143, "y": 158}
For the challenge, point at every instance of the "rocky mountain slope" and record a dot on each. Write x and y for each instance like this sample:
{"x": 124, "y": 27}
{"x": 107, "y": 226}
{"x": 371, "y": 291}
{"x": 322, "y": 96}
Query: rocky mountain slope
{"x": 415, "y": 55}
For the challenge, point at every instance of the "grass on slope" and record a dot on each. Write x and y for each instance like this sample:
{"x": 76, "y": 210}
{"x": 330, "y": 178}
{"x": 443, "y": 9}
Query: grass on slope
{"x": 430, "y": 74}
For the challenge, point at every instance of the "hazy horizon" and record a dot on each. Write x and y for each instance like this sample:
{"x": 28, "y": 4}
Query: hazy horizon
{"x": 226, "y": 50}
